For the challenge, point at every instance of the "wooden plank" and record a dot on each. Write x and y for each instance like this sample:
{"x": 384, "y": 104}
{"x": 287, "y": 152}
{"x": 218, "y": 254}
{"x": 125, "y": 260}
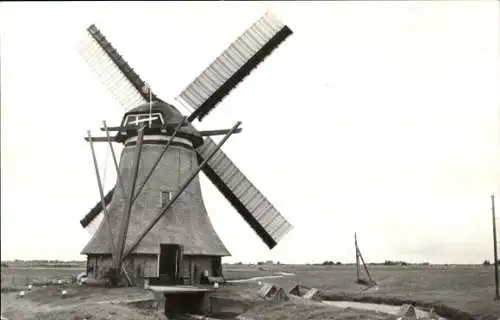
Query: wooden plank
{"x": 206, "y": 133}
{"x": 99, "y": 139}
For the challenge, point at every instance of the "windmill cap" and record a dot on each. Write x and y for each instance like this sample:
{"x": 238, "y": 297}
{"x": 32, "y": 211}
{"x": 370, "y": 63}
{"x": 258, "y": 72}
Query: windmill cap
{"x": 172, "y": 116}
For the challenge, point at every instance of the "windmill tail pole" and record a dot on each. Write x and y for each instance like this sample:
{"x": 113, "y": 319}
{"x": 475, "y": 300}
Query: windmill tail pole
{"x": 101, "y": 192}
{"x": 495, "y": 252}
{"x": 181, "y": 189}
{"x": 128, "y": 205}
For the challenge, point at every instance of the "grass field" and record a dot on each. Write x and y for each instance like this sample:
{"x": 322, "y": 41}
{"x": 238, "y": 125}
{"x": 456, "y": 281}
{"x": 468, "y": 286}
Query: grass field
{"x": 19, "y": 277}
{"x": 466, "y": 288}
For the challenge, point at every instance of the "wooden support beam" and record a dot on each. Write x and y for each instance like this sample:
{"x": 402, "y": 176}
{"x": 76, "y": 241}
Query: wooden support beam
{"x": 115, "y": 161}
{"x": 101, "y": 193}
{"x": 127, "y": 277}
{"x": 100, "y": 139}
{"x": 206, "y": 133}
{"x": 179, "y": 192}
{"x": 120, "y": 186}
{"x": 128, "y": 205}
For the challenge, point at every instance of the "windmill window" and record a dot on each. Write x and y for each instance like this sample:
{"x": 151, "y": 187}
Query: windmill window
{"x": 136, "y": 119}
{"x": 166, "y": 196}
{"x": 130, "y": 120}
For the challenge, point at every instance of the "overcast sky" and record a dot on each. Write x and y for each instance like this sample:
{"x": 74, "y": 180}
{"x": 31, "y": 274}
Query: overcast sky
{"x": 375, "y": 117}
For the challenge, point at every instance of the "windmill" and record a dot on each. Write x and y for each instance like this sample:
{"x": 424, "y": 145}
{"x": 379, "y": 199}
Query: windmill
{"x": 359, "y": 260}
{"x": 153, "y": 224}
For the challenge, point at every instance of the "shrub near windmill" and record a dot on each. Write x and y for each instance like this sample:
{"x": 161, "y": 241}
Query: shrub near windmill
{"x": 153, "y": 224}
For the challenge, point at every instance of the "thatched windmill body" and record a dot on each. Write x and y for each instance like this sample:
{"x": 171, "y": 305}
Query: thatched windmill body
{"x": 153, "y": 223}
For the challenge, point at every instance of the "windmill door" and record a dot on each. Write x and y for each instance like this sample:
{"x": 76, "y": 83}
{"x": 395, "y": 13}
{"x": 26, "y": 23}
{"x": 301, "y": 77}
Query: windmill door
{"x": 170, "y": 263}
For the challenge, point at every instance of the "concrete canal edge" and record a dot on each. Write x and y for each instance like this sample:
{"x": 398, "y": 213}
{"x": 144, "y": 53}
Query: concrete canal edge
{"x": 441, "y": 309}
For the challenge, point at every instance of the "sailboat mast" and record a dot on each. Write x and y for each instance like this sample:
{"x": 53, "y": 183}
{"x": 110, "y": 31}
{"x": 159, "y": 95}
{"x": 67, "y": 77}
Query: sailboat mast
{"x": 365, "y": 267}
{"x": 357, "y": 255}
{"x": 360, "y": 260}
{"x": 495, "y": 252}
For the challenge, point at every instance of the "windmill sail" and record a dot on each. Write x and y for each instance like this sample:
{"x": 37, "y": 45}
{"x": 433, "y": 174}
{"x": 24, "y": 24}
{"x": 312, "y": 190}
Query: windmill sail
{"x": 116, "y": 74}
{"x": 233, "y": 65}
{"x": 94, "y": 224}
{"x": 94, "y": 217}
{"x": 252, "y": 205}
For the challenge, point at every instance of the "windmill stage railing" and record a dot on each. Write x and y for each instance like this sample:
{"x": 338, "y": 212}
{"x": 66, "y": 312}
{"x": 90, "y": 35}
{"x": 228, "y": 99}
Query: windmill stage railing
{"x": 203, "y": 133}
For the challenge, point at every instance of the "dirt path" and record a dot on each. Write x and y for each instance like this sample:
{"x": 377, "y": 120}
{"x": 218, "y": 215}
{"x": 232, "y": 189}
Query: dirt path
{"x": 278, "y": 275}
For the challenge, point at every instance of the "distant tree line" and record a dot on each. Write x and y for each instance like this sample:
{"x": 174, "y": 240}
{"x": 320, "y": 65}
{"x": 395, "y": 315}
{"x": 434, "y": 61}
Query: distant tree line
{"x": 43, "y": 263}
{"x": 239, "y": 263}
{"x": 331, "y": 263}
{"x": 395, "y": 263}
{"x": 488, "y": 262}
{"x": 385, "y": 263}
